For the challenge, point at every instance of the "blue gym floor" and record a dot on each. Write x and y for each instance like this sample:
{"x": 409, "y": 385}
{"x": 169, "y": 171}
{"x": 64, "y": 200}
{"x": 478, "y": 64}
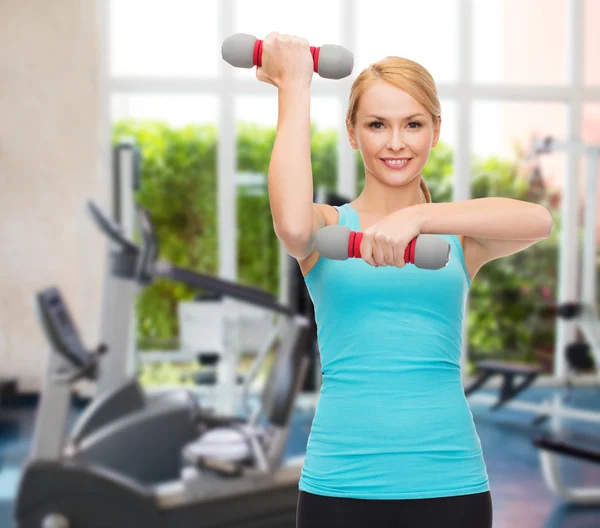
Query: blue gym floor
{"x": 520, "y": 496}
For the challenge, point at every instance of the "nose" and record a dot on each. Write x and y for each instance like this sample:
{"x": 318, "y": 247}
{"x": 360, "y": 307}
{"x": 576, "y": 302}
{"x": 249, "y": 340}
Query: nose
{"x": 396, "y": 141}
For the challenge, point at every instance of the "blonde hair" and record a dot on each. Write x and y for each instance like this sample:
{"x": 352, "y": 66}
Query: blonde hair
{"x": 410, "y": 77}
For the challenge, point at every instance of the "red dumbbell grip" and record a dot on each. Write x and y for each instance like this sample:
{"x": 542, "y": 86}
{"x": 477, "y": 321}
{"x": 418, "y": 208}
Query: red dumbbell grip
{"x": 257, "y": 55}
{"x": 355, "y": 239}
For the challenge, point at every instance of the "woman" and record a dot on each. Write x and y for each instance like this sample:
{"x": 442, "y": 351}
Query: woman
{"x": 393, "y": 441}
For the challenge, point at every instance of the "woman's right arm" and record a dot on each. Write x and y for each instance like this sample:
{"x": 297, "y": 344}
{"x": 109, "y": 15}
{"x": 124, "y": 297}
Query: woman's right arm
{"x": 290, "y": 175}
{"x": 288, "y": 64}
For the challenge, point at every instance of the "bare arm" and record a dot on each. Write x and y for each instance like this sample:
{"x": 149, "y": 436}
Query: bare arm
{"x": 290, "y": 173}
{"x": 288, "y": 65}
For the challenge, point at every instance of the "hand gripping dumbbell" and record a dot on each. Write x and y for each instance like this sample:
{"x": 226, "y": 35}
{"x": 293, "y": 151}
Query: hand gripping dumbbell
{"x": 338, "y": 242}
{"x": 245, "y": 51}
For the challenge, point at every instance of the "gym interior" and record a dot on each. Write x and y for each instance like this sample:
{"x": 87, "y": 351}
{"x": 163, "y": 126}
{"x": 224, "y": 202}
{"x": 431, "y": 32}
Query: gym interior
{"x": 159, "y": 354}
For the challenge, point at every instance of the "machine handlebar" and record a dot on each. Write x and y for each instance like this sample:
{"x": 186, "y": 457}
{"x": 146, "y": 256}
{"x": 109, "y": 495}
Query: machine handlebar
{"x": 110, "y": 228}
{"x": 63, "y": 335}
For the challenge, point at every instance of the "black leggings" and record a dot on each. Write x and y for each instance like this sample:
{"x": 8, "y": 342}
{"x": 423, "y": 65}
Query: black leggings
{"x": 463, "y": 511}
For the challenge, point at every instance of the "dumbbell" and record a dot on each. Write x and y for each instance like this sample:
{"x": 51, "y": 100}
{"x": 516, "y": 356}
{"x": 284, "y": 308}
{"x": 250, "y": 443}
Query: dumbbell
{"x": 245, "y": 51}
{"x": 338, "y": 242}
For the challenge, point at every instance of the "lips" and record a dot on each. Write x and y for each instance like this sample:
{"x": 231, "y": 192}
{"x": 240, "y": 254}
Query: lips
{"x": 396, "y": 165}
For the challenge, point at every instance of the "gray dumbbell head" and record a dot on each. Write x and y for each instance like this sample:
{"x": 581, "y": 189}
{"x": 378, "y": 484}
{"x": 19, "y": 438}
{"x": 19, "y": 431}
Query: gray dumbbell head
{"x": 335, "y": 62}
{"x": 431, "y": 252}
{"x": 238, "y": 50}
{"x": 332, "y": 242}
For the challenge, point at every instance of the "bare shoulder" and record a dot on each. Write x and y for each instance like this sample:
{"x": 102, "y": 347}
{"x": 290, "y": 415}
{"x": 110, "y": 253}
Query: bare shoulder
{"x": 323, "y": 215}
{"x": 330, "y": 213}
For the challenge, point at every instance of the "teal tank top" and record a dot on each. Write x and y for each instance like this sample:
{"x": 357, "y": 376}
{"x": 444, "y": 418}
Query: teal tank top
{"x": 392, "y": 420}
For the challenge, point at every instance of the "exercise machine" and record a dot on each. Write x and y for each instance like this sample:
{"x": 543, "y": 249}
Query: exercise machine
{"x": 216, "y": 329}
{"x": 579, "y": 355}
{"x": 216, "y": 351}
{"x": 165, "y": 465}
{"x": 515, "y": 378}
{"x": 558, "y": 441}
{"x": 140, "y": 265}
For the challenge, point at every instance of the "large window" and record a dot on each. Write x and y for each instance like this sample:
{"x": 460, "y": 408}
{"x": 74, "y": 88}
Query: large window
{"x": 425, "y": 31}
{"x": 520, "y": 42}
{"x": 506, "y": 70}
{"x": 164, "y": 39}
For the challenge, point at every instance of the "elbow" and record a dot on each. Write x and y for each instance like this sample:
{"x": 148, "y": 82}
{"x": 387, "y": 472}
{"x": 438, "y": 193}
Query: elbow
{"x": 297, "y": 243}
{"x": 297, "y": 232}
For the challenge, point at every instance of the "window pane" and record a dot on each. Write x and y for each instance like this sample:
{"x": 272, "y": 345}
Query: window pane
{"x": 258, "y": 247}
{"x": 507, "y": 294}
{"x": 408, "y": 29}
{"x": 499, "y": 127}
{"x": 325, "y": 112}
{"x": 520, "y": 42}
{"x": 591, "y": 123}
{"x": 314, "y": 20}
{"x": 449, "y": 123}
{"x": 592, "y": 42}
{"x": 176, "y": 110}
{"x": 504, "y": 131}
{"x": 157, "y": 38}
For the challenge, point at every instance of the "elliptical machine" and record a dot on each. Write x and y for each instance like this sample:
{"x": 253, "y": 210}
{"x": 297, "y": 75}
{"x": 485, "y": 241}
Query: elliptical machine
{"x": 132, "y": 265}
{"x": 216, "y": 330}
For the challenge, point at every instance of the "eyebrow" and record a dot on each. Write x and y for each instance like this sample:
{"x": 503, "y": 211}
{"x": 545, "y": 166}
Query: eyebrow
{"x": 384, "y": 119}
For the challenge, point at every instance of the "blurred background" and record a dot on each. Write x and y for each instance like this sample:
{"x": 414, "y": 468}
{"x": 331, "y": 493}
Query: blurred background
{"x": 130, "y": 104}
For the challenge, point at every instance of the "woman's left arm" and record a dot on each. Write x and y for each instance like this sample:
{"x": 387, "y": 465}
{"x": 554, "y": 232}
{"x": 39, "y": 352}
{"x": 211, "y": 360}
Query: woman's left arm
{"x": 496, "y": 226}
{"x": 491, "y": 228}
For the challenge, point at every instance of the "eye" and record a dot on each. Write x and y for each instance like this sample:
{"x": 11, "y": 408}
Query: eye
{"x": 372, "y": 123}
{"x": 418, "y": 125}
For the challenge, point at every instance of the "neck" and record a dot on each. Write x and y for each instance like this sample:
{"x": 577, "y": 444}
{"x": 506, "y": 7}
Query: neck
{"x": 378, "y": 198}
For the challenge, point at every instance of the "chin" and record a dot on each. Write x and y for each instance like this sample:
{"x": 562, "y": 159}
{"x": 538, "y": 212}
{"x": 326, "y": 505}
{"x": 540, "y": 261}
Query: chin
{"x": 397, "y": 181}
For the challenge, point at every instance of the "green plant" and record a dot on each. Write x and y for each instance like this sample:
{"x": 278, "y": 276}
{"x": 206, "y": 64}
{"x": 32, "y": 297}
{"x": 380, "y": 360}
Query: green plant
{"x": 508, "y": 293}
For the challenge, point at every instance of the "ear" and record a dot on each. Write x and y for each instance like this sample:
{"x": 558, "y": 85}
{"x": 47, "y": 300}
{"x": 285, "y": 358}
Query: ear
{"x": 436, "y": 133}
{"x": 351, "y": 135}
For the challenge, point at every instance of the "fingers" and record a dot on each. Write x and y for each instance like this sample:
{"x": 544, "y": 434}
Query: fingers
{"x": 260, "y": 75}
{"x": 379, "y": 250}
{"x": 286, "y": 39}
{"x": 271, "y": 37}
{"x": 268, "y": 41}
{"x": 275, "y": 39}
{"x": 399, "y": 256}
{"x": 285, "y": 57}
{"x": 386, "y": 250}
{"x": 368, "y": 250}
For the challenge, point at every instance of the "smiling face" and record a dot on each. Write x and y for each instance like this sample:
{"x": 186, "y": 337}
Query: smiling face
{"x": 394, "y": 134}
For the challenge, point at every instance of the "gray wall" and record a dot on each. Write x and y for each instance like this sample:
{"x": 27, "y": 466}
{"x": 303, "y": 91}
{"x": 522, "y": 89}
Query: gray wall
{"x": 53, "y": 157}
